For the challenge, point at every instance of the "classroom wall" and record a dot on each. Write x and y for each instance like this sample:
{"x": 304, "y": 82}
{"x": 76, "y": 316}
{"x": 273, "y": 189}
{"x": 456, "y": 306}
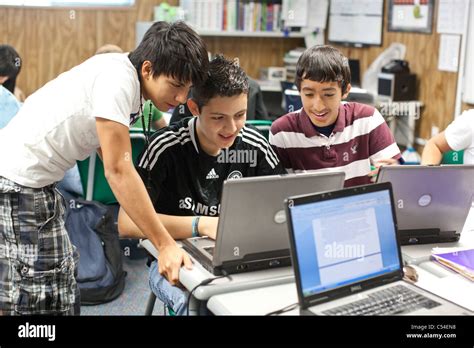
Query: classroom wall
{"x": 54, "y": 40}
{"x": 437, "y": 89}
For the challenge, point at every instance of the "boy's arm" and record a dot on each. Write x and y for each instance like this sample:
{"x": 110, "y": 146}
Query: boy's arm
{"x": 161, "y": 123}
{"x": 130, "y": 191}
{"x": 179, "y": 227}
{"x": 434, "y": 149}
{"x": 268, "y": 162}
{"x": 457, "y": 136}
{"x": 158, "y": 120}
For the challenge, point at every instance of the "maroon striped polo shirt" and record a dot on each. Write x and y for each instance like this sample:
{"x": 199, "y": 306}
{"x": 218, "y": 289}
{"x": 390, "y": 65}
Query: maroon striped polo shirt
{"x": 360, "y": 137}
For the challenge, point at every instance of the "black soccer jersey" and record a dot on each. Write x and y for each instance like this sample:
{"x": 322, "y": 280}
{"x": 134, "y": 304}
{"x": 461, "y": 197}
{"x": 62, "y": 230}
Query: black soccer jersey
{"x": 185, "y": 180}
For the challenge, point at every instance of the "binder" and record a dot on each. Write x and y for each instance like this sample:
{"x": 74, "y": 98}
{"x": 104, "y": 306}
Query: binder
{"x": 460, "y": 261}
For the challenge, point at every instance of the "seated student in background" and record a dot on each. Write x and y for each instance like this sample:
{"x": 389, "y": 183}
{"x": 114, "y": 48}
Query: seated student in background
{"x": 187, "y": 164}
{"x": 459, "y": 135}
{"x": 10, "y": 66}
{"x": 328, "y": 133}
{"x": 157, "y": 119}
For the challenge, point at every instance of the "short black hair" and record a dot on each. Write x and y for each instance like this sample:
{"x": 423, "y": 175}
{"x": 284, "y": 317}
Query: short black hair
{"x": 323, "y": 64}
{"x": 10, "y": 65}
{"x": 225, "y": 79}
{"x": 174, "y": 50}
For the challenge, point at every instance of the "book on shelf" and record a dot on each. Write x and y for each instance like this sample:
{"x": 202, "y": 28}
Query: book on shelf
{"x": 460, "y": 261}
{"x": 233, "y": 15}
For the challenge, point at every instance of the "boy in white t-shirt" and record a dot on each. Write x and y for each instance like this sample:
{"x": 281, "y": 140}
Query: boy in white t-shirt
{"x": 459, "y": 135}
{"x": 88, "y": 108}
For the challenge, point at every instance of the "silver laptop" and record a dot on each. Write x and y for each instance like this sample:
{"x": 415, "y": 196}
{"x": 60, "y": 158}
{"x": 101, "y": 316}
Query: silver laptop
{"x": 432, "y": 202}
{"x": 252, "y": 233}
{"x": 346, "y": 256}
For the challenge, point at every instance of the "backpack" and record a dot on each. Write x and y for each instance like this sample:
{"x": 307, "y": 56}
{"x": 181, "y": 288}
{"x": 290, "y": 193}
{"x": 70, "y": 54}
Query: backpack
{"x": 91, "y": 229}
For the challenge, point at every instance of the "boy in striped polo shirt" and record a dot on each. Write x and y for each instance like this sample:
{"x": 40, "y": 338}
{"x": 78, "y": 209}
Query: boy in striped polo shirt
{"x": 328, "y": 133}
{"x": 189, "y": 161}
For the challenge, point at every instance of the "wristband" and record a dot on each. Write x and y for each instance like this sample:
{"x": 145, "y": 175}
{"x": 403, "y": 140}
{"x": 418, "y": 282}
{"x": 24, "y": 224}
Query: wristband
{"x": 195, "y": 231}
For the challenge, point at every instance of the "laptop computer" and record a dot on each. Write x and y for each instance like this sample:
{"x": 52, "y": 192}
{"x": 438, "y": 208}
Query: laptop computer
{"x": 252, "y": 233}
{"x": 346, "y": 256}
{"x": 432, "y": 202}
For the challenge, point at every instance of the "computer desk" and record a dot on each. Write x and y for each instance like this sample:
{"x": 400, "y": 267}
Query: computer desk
{"x": 236, "y": 282}
{"x": 431, "y": 277}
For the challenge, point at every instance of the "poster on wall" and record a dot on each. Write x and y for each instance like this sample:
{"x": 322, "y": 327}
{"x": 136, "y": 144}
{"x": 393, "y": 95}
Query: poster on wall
{"x": 411, "y": 16}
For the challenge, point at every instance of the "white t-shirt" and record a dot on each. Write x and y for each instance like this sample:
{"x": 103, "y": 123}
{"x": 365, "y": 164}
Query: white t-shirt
{"x": 56, "y": 125}
{"x": 460, "y": 135}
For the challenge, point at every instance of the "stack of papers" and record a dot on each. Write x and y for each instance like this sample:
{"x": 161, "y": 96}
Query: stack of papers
{"x": 460, "y": 261}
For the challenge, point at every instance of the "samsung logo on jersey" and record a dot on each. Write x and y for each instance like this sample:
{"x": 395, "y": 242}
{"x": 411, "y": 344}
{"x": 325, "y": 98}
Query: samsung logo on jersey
{"x": 199, "y": 208}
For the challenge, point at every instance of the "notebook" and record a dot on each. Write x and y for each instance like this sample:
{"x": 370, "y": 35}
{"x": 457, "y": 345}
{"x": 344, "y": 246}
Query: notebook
{"x": 461, "y": 261}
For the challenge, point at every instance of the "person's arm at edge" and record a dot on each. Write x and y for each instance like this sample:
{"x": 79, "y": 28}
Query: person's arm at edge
{"x": 161, "y": 123}
{"x": 131, "y": 193}
{"x": 434, "y": 150}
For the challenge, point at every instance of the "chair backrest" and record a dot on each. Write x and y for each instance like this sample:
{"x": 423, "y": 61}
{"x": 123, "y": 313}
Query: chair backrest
{"x": 453, "y": 157}
{"x": 93, "y": 180}
{"x": 262, "y": 125}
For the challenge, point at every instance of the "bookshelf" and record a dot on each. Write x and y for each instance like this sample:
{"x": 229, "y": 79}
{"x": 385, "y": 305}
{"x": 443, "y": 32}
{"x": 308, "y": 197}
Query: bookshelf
{"x": 142, "y": 27}
{"x": 241, "y": 33}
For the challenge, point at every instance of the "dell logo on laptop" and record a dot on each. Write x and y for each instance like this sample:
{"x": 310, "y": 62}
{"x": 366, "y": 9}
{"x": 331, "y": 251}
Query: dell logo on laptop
{"x": 356, "y": 288}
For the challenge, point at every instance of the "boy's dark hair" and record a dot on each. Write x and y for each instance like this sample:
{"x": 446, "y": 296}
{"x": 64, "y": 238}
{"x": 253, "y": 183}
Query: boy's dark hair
{"x": 323, "y": 64}
{"x": 10, "y": 65}
{"x": 173, "y": 50}
{"x": 225, "y": 79}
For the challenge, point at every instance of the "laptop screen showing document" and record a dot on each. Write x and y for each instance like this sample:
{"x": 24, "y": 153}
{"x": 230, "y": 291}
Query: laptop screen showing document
{"x": 343, "y": 238}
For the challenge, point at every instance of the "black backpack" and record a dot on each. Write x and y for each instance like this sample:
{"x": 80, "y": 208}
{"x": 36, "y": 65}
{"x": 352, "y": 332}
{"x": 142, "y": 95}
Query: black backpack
{"x": 91, "y": 228}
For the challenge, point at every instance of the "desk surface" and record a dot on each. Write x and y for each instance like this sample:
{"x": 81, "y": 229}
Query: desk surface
{"x": 237, "y": 282}
{"x": 432, "y": 277}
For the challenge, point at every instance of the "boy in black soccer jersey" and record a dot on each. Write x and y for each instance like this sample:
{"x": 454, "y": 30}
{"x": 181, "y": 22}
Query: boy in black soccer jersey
{"x": 189, "y": 161}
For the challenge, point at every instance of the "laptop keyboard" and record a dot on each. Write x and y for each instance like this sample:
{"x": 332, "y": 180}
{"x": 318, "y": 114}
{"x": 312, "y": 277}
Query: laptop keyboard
{"x": 395, "y": 300}
{"x": 210, "y": 250}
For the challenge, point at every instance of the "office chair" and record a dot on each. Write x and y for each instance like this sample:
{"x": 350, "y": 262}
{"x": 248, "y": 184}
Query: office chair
{"x": 291, "y": 97}
{"x": 93, "y": 179}
{"x": 262, "y": 125}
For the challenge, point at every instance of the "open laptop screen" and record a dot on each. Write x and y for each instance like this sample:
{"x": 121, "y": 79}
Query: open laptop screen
{"x": 340, "y": 241}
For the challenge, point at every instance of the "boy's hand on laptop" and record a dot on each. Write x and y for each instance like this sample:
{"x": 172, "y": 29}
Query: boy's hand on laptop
{"x": 208, "y": 226}
{"x": 376, "y": 167}
{"x": 170, "y": 259}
